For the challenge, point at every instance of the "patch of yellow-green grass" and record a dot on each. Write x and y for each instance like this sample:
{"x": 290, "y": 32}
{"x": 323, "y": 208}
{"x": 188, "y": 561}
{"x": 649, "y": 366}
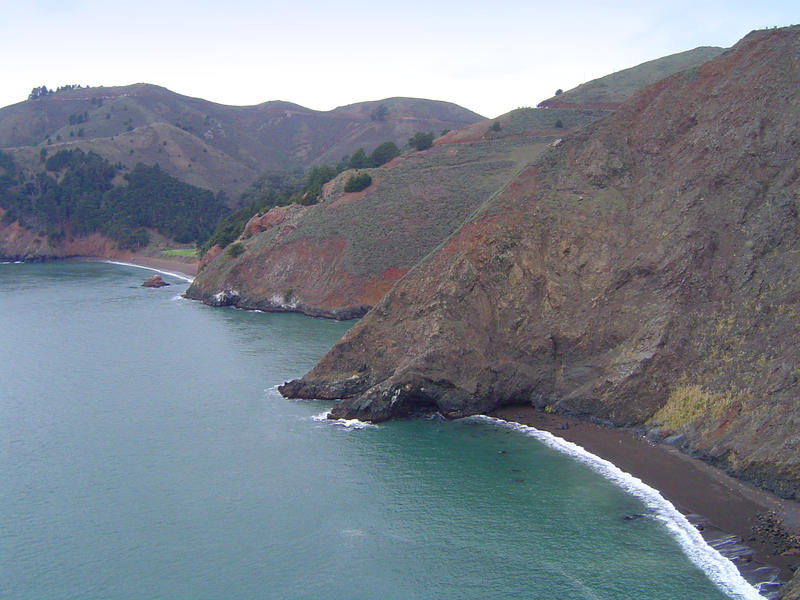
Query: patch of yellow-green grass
{"x": 187, "y": 252}
{"x": 689, "y": 403}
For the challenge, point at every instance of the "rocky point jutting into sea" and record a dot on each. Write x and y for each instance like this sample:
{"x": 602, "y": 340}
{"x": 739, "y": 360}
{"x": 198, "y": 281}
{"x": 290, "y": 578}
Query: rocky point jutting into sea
{"x": 643, "y": 272}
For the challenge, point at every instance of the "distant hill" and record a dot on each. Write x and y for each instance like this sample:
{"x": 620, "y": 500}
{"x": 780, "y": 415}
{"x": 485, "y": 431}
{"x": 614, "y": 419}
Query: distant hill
{"x": 611, "y": 90}
{"x": 206, "y": 144}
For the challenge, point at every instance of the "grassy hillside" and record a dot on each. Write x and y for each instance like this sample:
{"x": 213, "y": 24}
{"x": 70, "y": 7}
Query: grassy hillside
{"x": 208, "y": 144}
{"x": 338, "y": 257}
{"x": 615, "y": 88}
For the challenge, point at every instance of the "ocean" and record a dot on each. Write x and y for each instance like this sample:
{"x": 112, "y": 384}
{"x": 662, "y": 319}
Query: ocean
{"x": 145, "y": 453}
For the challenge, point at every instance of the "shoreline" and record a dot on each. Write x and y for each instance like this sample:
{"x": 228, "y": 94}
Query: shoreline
{"x": 722, "y": 504}
{"x": 185, "y": 270}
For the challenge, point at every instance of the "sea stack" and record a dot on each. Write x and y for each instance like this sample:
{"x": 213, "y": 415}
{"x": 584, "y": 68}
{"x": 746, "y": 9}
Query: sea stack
{"x": 154, "y": 282}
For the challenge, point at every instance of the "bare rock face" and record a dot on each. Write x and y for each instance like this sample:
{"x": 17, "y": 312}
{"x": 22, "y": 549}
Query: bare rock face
{"x": 645, "y": 270}
{"x": 259, "y": 223}
{"x": 154, "y": 282}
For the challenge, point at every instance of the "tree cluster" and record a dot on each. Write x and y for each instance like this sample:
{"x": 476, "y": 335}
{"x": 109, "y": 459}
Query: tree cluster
{"x": 268, "y": 191}
{"x": 379, "y": 156}
{"x": 77, "y": 190}
{"x": 42, "y": 91}
{"x": 380, "y": 113}
{"x": 79, "y": 118}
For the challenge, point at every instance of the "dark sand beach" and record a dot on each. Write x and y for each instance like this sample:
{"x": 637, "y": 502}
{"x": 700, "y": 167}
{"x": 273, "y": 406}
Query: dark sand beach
{"x": 187, "y": 269}
{"x": 694, "y": 487}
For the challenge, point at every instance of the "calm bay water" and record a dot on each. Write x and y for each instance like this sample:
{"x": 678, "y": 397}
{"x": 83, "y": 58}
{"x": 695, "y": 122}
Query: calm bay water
{"x": 144, "y": 453}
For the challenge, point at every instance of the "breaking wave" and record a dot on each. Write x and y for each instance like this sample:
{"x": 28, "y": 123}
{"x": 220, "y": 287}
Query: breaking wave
{"x": 163, "y": 272}
{"x": 722, "y": 572}
{"x": 346, "y": 423}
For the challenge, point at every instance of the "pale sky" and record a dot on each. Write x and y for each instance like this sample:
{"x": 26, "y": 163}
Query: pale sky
{"x": 490, "y": 57}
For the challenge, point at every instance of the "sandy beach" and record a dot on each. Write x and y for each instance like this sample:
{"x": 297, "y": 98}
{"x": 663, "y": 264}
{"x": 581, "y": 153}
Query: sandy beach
{"x": 727, "y": 504}
{"x": 187, "y": 269}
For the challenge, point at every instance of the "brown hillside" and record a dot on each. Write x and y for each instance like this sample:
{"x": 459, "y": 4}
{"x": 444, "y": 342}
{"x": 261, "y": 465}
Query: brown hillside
{"x": 339, "y": 257}
{"x": 644, "y": 271}
{"x": 212, "y": 145}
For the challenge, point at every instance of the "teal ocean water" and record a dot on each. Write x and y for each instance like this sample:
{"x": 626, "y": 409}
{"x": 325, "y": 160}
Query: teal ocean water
{"x": 144, "y": 453}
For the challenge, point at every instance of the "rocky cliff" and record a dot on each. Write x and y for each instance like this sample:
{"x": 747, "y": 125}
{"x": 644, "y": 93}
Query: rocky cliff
{"x": 644, "y": 271}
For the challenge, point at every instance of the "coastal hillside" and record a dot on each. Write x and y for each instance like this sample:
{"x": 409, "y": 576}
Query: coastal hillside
{"x": 611, "y": 90}
{"x": 80, "y": 195}
{"x": 209, "y": 145}
{"x": 338, "y": 258}
{"x": 643, "y": 272}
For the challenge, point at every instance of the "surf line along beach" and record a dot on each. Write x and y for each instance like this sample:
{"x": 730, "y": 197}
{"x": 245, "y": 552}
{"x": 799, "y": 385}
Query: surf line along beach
{"x": 183, "y": 270}
{"x": 726, "y": 504}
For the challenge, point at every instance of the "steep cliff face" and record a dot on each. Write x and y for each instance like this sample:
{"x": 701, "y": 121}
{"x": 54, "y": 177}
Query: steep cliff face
{"x": 645, "y": 270}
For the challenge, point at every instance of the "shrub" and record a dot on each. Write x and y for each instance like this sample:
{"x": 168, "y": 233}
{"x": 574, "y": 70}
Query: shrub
{"x": 559, "y": 124}
{"x": 356, "y": 183}
{"x": 379, "y": 114}
{"x": 383, "y": 154}
{"x": 236, "y": 249}
{"x": 359, "y": 160}
{"x": 421, "y": 140}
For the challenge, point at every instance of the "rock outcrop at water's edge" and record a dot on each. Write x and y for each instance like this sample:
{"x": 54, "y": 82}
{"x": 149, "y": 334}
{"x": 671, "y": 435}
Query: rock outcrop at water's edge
{"x": 644, "y": 271}
{"x": 154, "y": 281}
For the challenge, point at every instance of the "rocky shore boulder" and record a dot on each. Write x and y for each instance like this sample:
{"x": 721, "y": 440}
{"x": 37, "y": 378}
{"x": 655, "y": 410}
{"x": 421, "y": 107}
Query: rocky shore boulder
{"x": 645, "y": 270}
{"x": 154, "y": 282}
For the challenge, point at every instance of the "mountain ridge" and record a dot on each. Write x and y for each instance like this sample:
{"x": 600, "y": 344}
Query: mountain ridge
{"x": 245, "y": 141}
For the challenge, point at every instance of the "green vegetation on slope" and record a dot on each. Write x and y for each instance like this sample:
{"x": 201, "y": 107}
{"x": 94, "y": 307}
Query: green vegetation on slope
{"x": 357, "y": 183}
{"x": 282, "y": 188}
{"x": 77, "y": 190}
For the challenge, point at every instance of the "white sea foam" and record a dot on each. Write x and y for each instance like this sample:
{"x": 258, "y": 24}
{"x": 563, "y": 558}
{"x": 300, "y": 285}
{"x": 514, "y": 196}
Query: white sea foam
{"x": 321, "y": 417}
{"x": 170, "y": 273}
{"x": 346, "y": 423}
{"x": 722, "y": 572}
